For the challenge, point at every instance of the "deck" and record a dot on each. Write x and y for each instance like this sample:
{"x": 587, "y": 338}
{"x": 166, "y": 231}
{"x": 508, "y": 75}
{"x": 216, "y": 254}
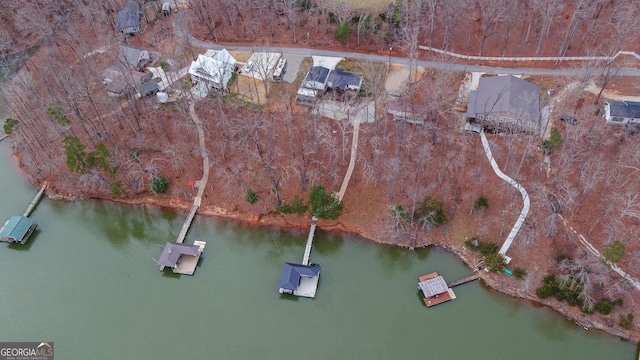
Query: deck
{"x": 307, "y": 287}
{"x": 187, "y": 264}
{"x": 440, "y": 298}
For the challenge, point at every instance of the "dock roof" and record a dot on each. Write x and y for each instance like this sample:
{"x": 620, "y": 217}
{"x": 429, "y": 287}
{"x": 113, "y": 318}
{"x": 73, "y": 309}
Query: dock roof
{"x": 433, "y": 286}
{"x": 172, "y": 252}
{"x": 16, "y": 228}
{"x": 291, "y": 273}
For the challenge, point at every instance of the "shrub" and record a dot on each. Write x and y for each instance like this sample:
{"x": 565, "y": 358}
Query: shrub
{"x": 75, "y": 154}
{"x": 613, "y": 253}
{"x": 519, "y": 273}
{"x": 604, "y": 306}
{"x": 295, "y": 206}
{"x": 400, "y": 216}
{"x": 323, "y": 205}
{"x": 342, "y": 32}
{"x": 626, "y": 321}
{"x": 495, "y": 262}
{"x": 116, "y": 189}
{"x": 55, "y": 112}
{"x": 481, "y": 203}
{"x": 251, "y": 197}
{"x": 8, "y": 126}
{"x": 159, "y": 184}
{"x": 487, "y": 248}
{"x": 548, "y": 288}
{"x": 472, "y": 243}
{"x": 430, "y": 213}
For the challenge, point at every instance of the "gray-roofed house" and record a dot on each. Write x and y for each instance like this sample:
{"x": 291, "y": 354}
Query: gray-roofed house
{"x": 148, "y": 88}
{"x": 408, "y": 111}
{"x": 505, "y": 102}
{"x": 316, "y": 78}
{"x": 181, "y": 258}
{"x": 17, "y": 229}
{"x": 133, "y": 57}
{"x": 622, "y": 112}
{"x": 293, "y": 276}
{"x": 344, "y": 80}
{"x": 128, "y": 19}
{"x": 128, "y": 81}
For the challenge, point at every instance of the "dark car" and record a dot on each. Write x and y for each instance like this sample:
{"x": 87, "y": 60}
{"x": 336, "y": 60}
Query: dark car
{"x": 569, "y": 119}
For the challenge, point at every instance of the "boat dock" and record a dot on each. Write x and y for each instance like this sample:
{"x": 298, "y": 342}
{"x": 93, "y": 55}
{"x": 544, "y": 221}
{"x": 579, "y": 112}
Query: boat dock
{"x": 301, "y": 279}
{"x": 435, "y": 289}
{"x": 3, "y": 137}
{"x": 35, "y": 200}
{"x": 18, "y": 229}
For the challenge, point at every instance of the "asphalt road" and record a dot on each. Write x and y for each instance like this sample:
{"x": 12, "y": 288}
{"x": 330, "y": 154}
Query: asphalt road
{"x": 455, "y": 65}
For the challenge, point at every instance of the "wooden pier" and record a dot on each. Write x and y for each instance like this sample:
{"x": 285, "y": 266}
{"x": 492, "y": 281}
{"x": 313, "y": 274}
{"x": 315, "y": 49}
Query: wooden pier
{"x": 307, "y": 249}
{"x": 187, "y": 224}
{"x": 35, "y": 200}
{"x": 3, "y": 137}
{"x": 464, "y": 281}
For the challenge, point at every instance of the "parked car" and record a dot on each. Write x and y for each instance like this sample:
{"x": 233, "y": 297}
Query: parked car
{"x": 569, "y": 119}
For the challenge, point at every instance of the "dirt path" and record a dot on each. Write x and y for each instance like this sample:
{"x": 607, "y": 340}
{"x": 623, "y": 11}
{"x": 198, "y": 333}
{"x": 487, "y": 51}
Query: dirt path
{"x": 352, "y": 160}
{"x": 595, "y": 252}
{"x": 202, "y": 183}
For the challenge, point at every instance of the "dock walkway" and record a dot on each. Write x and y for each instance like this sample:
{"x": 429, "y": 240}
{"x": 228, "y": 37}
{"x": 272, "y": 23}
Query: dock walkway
{"x": 35, "y": 200}
{"x": 464, "y": 281}
{"x": 307, "y": 249}
{"x": 187, "y": 224}
{"x": 3, "y": 137}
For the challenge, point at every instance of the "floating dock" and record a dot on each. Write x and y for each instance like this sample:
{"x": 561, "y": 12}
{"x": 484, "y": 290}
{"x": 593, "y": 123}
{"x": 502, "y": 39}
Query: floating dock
{"x": 435, "y": 289}
{"x": 181, "y": 258}
{"x": 18, "y": 229}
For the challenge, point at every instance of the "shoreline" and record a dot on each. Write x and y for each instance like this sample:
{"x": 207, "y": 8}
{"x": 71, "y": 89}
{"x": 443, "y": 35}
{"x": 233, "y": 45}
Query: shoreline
{"x": 284, "y": 222}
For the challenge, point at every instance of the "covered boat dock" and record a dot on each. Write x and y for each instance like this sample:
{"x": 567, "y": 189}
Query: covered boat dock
{"x": 181, "y": 258}
{"x": 17, "y": 229}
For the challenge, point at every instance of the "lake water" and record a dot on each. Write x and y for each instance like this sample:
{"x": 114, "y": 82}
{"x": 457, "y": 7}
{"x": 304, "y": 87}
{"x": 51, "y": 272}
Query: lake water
{"x": 88, "y": 282}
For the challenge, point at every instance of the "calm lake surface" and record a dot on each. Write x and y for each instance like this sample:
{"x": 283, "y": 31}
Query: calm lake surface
{"x": 87, "y": 281}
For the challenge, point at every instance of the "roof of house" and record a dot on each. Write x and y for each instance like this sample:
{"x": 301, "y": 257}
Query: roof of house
{"x": 433, "y": 286}
{"x": 625, "y": 109}
{"x": 173, "y": 251}
{"x": 341, "y": 79}
{"x": 213, "y": 68}
{"x": 126, "y": 80}
{"x": 316, "y": 78}
{"x": 406, "y": 106}
{"x": 129, "y": 17}
{"x": 17, "y": 227}
{"x": 505, "y": 96}
{"x": 148, "y": 88}
{"x": 130, "y": 56}
{"x": 290, "y": 276}
{"x": 260, "y": 65}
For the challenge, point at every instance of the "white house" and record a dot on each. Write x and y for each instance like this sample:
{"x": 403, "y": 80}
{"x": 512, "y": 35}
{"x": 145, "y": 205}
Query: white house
{"x": 213, "y": 72}
{"x": 622, "y": 112}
